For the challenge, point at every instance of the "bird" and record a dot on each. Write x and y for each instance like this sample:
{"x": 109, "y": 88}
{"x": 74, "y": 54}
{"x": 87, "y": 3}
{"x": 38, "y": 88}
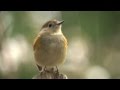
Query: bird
{"x": 50, "y": 45}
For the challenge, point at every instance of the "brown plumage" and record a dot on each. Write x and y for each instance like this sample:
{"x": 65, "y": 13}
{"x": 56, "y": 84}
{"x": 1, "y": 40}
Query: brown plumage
{"x": 50, "y": 45}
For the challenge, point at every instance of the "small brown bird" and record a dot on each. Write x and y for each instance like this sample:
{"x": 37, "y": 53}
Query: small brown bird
{"x": 50, "y": 45}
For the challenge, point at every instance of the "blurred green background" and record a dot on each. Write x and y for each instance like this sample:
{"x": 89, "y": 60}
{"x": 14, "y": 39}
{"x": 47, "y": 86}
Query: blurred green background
{"x": 93, "y": 43}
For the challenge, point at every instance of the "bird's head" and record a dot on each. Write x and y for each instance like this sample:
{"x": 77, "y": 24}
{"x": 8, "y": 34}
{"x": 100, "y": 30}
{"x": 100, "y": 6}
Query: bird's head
{"x": 52, "y": 26}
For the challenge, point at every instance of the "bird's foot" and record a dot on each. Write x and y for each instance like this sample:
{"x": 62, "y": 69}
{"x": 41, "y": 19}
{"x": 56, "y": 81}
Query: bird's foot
{"x": 57, "y": 72}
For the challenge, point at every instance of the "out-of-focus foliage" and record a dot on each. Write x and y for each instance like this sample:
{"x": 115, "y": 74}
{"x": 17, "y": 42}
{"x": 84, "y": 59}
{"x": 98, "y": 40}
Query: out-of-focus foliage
{"x": 93, "y": 43}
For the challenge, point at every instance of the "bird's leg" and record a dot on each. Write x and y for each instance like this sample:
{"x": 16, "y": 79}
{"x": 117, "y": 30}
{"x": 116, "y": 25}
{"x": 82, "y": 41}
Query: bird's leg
{"x": 57, "y": 71}
{"x": 45, "y": 68}
{"x": 56, "y": 75}
{"x": 39, "y": 68}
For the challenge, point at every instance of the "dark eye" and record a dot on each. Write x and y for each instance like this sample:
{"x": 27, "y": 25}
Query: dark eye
{"x": 50, "y": 25}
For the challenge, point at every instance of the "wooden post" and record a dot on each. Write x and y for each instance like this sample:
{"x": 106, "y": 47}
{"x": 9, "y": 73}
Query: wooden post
{"x": 50, "y": 75}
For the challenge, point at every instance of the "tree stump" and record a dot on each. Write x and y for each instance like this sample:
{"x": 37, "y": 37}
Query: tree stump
{"x": 50, "y": 74}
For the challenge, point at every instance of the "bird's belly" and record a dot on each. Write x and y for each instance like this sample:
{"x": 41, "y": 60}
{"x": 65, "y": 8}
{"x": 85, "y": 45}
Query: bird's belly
{"x": 51, "y": 54}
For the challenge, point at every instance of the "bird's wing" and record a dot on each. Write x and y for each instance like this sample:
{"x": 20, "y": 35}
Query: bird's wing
{"x": 36, "y": 43}
{"x": 66, "y": 43}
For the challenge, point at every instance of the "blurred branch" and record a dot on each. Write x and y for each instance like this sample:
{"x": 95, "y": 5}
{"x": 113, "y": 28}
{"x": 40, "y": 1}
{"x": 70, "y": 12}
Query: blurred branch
{"x": 49, "y": 75}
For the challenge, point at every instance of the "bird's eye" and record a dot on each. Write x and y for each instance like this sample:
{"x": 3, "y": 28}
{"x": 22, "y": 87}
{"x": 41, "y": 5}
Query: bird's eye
{"x": 50, "y": 25}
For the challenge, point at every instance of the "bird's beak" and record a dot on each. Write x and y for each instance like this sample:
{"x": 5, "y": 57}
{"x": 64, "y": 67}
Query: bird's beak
{"x": 60, "y": 22}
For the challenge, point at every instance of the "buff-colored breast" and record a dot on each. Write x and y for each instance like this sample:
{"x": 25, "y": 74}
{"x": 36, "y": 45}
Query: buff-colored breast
{"x": 50, "y": 50}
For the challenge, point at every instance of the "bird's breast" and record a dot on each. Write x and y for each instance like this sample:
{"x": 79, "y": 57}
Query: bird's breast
{"x": 53, "y": 42}
{"x": 51, "y": 51}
